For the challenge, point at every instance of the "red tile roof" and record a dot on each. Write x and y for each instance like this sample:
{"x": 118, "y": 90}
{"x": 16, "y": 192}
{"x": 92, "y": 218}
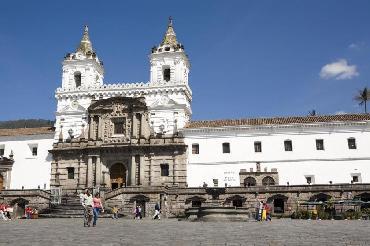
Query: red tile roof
{"x": 279, "y": 120}
{"x": 26, "y": 131}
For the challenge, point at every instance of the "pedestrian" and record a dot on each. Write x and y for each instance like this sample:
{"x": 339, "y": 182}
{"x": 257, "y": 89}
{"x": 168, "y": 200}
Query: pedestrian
{"x": 263, "y": 212}
{"x": 115, "y": 212}
{"x": 97, "y": 207}
{"x": 28, "y": 211}
{"x": 82, "y": 200}
{"x": 268, "y": 212}
{"x": 157, "y": 212}
{"x": 88, "y": 204}
{"x": 139, "y": 212}
{"x": 260, "y": 209}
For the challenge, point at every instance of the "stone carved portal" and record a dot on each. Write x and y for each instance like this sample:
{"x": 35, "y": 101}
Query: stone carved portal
{"x": 118, "y": 176}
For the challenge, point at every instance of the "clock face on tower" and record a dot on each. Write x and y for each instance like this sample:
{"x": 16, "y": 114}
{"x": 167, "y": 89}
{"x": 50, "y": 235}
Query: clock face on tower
{"x": 74, "y": 104}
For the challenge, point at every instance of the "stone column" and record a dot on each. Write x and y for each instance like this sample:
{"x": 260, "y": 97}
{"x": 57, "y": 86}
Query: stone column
{"x": 134, "y": 126}
{"x": 89, "y": 176}
{"x": 79, "y": 177}
{"x": 133, "y": 171}
{"x": 174, "y": 167}
{"x": 91, "y": 128}
{"x": 100, "y": 128}
{"x": 98, "y": 171}
{"x": 142, "y": 171}
{"x": 151, "y": 172}
{"x": 142, "y": 130}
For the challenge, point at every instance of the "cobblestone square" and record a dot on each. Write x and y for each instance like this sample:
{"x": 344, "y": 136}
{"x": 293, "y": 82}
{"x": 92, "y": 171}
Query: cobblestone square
{"x": 173, "y": 232}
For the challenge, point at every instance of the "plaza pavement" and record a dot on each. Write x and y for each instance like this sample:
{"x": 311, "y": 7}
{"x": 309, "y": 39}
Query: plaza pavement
{"x": 172, "y": 232}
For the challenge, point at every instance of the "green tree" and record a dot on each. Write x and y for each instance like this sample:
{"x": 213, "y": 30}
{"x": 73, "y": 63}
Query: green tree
{"x": 362, "y": 97}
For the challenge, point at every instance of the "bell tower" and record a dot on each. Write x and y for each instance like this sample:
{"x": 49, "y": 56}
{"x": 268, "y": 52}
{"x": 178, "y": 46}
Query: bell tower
{"x": 82, "y": 69}
{"x": 169, "y": 63}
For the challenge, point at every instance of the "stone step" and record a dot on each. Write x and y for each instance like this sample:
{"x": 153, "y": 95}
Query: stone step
{"x": 71, "y": 216}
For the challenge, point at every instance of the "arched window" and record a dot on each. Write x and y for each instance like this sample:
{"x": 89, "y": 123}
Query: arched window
{"x": 77, "y": 76}
{"x": 268, "y": 181}
{"x": 249, "y": 181}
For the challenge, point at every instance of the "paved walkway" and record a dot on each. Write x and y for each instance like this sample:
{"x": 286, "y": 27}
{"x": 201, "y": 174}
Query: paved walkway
{"x": 173, "y": 232}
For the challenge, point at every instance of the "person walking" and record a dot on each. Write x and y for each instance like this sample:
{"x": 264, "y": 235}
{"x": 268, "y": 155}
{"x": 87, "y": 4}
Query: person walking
{"x": 157, "y": 212}
{"x": 263, "y": 212}
{"x": 88, "y": 204}
{"x": 97, "y": 207}
{"x": 82, "y": 200}
{"x": 115, "y": 212}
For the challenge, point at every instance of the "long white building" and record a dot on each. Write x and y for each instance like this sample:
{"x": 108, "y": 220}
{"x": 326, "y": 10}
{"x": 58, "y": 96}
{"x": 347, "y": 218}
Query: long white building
{"x": 294, "y": 150}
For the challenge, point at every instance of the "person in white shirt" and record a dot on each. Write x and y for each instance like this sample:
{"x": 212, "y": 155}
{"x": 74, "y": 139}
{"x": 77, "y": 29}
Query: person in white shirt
{"x": 88, "y": 205}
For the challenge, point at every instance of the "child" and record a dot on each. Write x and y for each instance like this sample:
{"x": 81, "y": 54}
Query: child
{"x": 115, "y": 212}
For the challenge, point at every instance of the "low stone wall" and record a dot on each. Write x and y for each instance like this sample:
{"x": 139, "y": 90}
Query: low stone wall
{"x": 174, "y": 201}
{"x": 36, "y": 198}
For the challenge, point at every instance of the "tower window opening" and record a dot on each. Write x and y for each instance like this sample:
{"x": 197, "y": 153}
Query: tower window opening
{"x": 77, "y": 79}
{"x": 166, "y": 74}
{"x": 167, "y": 49}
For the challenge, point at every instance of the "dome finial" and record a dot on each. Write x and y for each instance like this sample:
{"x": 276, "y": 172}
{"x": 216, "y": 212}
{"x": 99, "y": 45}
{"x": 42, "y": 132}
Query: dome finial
{"x": 85, "y": 44}
{"x": 170, "y": 36}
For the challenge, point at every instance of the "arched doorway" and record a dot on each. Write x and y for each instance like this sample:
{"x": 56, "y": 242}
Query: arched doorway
{"x": 19, "y": 206}
{"x": 279, "y": 203}
{"x": 266, "y": 181}
{"x": 118, "y": 176}
{"x": 321, "y": 197}
{"x": 1, "y": 182}
{"x": 249, "y": 181}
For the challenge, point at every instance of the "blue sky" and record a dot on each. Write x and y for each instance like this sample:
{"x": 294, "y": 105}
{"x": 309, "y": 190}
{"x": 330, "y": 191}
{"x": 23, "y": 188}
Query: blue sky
{"x": 249, "y": 58}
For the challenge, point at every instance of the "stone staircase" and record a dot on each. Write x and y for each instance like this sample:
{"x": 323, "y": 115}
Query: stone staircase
{"x": 70, "y": 207}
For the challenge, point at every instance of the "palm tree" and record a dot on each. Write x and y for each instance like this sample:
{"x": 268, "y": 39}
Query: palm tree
{"x": 362, "y": 97}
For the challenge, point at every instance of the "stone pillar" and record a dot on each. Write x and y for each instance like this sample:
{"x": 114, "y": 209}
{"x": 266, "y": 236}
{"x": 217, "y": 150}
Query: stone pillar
{"x": 174, "y": 168}
{"x": 79, "y": 177}
{"x": 89, "y": 176}
{"x": 142, "y": 130}
{"x": 133, "y": 171}
{"x": 91, "y": 128}
{"x": 100, "y": 128}
{"x": 142, "y": 173}
{"x": 98, "y": 172}
{"x": 151, "y": 171}
{"x": 134, "y": 126}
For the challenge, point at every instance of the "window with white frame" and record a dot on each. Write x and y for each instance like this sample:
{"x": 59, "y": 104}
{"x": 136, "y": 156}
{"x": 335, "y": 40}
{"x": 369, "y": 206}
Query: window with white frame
{"x": 2, "y": 149}
{"x": 356, "y": 178}
{"x": 33, "y": 148}
{"x": 310, "y": 179}
{"x": 351, "y": 143}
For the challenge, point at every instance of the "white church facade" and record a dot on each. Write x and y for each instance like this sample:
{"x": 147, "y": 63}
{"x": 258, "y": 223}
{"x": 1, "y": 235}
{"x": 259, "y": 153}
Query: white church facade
{"x": 287, "y": 150}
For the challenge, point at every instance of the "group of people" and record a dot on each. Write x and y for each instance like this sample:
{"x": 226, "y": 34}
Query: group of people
{"x": 30, "y": 212}
{"x": 93, "y": 206}
{"x": 263, "y": 211}
{"x": 5, "y": 211}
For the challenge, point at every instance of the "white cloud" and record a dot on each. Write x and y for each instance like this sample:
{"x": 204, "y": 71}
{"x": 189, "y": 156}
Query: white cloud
{"x": 357, "y": 45}
{"x": 338, "y": 70}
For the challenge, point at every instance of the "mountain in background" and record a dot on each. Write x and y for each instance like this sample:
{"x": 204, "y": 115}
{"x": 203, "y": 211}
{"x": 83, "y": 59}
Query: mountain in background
{"x": 25, "y": 123}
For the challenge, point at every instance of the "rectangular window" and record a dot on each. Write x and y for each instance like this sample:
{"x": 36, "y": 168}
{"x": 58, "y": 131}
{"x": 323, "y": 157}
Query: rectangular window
{"x": 2, "y": 150}
{"x": 257, "y": 147}
{"x": 34, "y": 151}
{"x": 310, "y": 179}
{"x": 195, "y": 149}
{"x": 166, "y": 74}
{"x": 355, "y": 179}
{"x": 119, "y": 125}
{"x": 165, "y": 170}
{"x": 71, "y": 172}
{"x": 288, "y": 145}
{"x": 352, "y": 143}
{"x": 226, "y": 148}
{"x": 319, "y": 144}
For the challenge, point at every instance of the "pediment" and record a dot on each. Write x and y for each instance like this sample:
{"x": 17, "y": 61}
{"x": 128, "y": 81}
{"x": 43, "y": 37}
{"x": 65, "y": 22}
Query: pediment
{"x": 77, "y": 108}
{"x": 164, "y": 101}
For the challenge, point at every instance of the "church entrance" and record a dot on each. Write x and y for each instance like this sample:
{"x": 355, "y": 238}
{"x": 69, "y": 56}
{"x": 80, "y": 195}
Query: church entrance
{"x": 1, "y": 182}
{"x": 118, "y": 174}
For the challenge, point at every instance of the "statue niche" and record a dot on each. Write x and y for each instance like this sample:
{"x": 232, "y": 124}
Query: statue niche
{"x": 118, "y": 119}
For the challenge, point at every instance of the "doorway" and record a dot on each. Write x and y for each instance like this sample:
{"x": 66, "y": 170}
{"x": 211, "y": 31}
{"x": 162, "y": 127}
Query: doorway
{"x": 278, "y": 205}
{"x": 118, "y": 176}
